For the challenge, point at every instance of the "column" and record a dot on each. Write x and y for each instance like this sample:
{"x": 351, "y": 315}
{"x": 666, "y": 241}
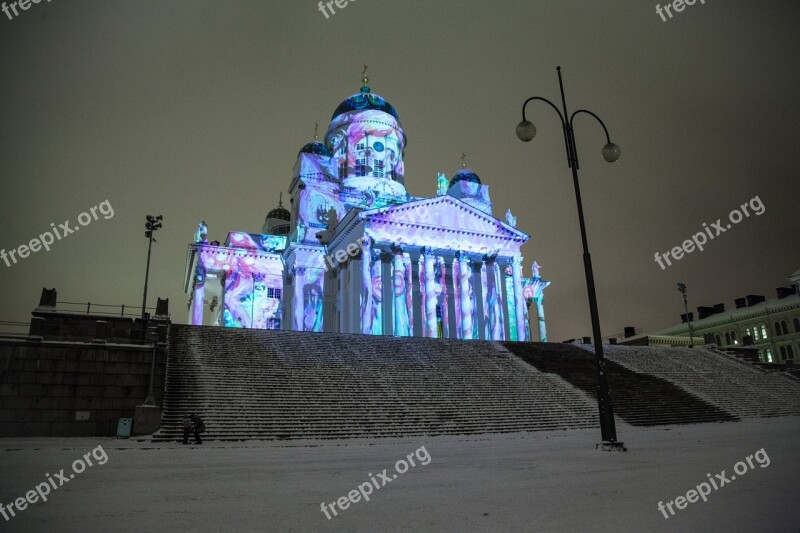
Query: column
{"x": 409, "y": 270}
{"x": 519, "y": 304}
{"x": 367, "y": 298}
{"x": 429, "y": 301}
{"x": 387, "y": 294}
{"x": 297, "y": 298}
{"x": 540, "y": 314}
{"x": 455, "y": 271}
{"x": 464, "y": 272}
{"x": 494, "y": 300}
{"x": 399, "y": 292}
{"x": 199, "y": 294}
{"x": 507, "y": 298}
{"x": 445, "y": 304}
{"x": 480, "y": 298}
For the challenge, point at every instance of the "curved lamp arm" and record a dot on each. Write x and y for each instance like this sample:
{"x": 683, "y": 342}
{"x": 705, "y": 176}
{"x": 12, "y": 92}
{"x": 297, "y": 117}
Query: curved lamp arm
{"x": 572, "y": 119}
{"x": 560, "y": 116}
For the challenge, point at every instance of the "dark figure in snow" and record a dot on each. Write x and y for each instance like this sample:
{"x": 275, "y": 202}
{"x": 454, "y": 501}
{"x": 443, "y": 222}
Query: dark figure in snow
{"x": 198, "y": 427}
{"x": 193, "y": 424}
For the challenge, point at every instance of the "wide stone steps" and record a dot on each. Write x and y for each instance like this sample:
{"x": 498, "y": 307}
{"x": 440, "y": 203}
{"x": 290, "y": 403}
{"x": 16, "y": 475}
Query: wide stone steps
{"x": 251, "y": 384}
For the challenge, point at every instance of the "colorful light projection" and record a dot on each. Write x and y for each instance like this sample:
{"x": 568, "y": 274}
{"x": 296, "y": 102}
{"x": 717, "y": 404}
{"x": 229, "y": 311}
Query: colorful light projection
{"x": 372, "y": 292}
{"x": 252, "y": 281}
{"x": 317, "y": 203}
{"x": 367, "y": 145}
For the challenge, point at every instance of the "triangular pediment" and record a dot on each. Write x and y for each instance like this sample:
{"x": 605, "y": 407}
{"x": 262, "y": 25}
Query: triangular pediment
{"x": 443, "y": 213}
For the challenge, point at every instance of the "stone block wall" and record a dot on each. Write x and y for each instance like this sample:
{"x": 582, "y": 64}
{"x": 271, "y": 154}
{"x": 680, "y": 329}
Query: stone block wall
{"x": 58, "y": 389}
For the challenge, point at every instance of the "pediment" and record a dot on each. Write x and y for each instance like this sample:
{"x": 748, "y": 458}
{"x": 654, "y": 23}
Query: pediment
{"x": 443, "y": 213}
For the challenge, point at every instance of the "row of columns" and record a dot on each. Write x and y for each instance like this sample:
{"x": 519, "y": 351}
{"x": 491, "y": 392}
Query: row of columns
{"x": 468, "y": 285}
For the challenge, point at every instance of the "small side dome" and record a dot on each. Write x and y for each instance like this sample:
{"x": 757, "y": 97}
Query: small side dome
{"x": 279, "y": 213}
{"x": 317, "y": 148}
{"x": 465, "y": 174}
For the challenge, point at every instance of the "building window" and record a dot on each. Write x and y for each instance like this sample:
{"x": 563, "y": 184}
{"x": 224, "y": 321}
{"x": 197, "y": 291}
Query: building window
{"x": 360, "y": 146}
{"x": 717, "y": 339}
{"x": 378, "y": 172}
{"x": 727, "y": 338}
{"x": 784, "y": 328}
{"x": 361, "y": 167}
{"x": 789, "y": 352}
{"x": 777, "y": 329}
{"x": 733, "y": 337}
{"x": 797, "y": 325}
{"x": 274, "y": 293}
{"x": 756, "y": 334}
{"x": 763, "y": 331}
{"x": 768, "y": 355}
{"x": 343, "y": 168}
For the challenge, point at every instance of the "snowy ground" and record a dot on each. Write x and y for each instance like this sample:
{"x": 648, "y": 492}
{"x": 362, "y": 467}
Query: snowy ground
{"x": 553, "y": 481}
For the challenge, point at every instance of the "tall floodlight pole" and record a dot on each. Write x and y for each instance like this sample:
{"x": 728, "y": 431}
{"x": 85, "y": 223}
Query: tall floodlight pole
{"x": 682, "y": 290}
{"x": 526, "y": 131}
{"x": 152, "y": 225}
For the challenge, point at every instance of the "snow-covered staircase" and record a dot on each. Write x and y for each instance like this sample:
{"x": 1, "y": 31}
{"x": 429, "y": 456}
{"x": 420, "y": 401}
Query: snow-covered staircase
{"x": 641, "y": 399}
{"x": 255, "y": 384}
{"x": 739, "y": 387}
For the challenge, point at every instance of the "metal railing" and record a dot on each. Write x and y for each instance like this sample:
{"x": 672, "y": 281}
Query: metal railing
{"x": 89, "y": 308}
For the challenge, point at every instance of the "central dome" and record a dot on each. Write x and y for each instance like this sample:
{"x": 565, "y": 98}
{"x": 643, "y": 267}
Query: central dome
{"x": 363, "y": 101}
{"x": 465, "y": 174}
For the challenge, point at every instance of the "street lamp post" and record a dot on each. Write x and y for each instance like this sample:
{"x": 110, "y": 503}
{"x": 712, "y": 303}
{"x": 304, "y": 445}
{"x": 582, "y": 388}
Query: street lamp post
{"x": 682, "y": 290}
{"x": 526, "y": 131}
{"x": 152, "y": 224}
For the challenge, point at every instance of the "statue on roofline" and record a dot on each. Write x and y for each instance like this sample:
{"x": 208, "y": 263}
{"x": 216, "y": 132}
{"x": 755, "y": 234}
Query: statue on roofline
{"x": 442, "y": 184}
{"x": 511, "y": 220}
{"x": 201, "y": 237}
{"x": 535, "y": 270}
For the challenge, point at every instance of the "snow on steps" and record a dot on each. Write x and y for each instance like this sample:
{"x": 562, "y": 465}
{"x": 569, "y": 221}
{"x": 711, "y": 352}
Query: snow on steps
{"x": 250, "y": 384}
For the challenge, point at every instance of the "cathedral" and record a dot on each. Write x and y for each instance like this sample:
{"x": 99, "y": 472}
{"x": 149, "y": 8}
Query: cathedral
{"x": 355, "y": 253}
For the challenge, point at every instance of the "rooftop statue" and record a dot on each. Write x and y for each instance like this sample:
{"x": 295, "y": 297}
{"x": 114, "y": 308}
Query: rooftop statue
{"x": 511, "y": 220}
{"x": 201, "y": 237}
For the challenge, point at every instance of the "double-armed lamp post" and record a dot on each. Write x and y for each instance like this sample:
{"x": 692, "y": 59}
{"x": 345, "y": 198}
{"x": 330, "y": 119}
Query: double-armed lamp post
{"x": 526, "y": 131}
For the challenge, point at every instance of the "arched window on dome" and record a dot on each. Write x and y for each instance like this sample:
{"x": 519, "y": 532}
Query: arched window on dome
{"x": 797, "y": 325}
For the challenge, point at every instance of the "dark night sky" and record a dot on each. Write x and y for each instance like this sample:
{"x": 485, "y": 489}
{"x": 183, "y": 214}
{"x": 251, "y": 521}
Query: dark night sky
{"x": 197, "y": 109}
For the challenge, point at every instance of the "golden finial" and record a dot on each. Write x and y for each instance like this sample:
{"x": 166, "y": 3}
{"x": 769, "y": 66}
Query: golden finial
{"x": 364, "y": 78}
{"x": 463, "y": 160}
{"x": 316, "y": 131}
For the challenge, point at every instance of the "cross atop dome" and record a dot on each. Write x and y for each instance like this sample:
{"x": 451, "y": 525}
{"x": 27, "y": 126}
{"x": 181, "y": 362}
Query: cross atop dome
{"x": 364, "y": 80}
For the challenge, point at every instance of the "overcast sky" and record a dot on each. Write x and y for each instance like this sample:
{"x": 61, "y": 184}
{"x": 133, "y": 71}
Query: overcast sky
{"x": 196, "y": 110}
